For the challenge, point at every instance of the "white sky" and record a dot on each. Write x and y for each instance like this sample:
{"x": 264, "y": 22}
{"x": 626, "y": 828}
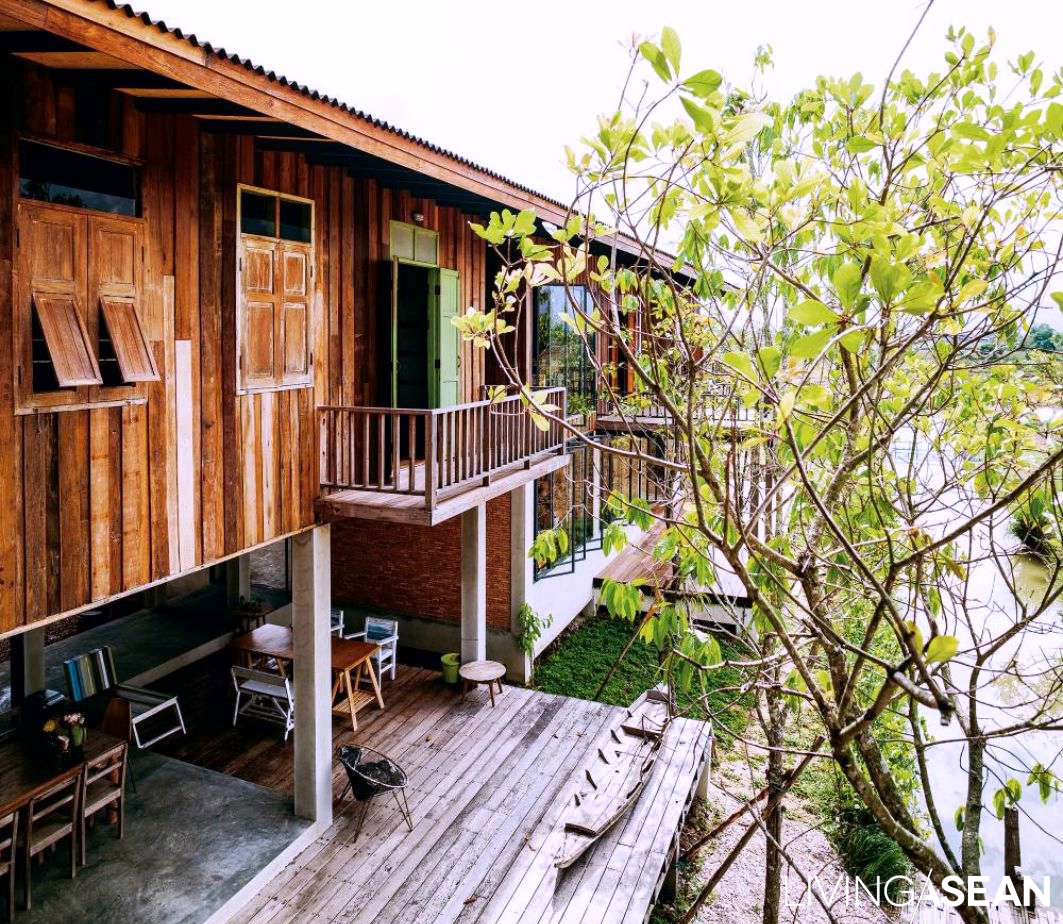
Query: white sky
{"x": 507, "y": 84}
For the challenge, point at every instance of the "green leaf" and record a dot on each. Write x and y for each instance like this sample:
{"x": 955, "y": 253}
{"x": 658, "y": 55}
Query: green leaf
{"x": 1057, "y": 297}
{"x": 786, "y": 406}
{"x": 769, "y": 359}
{"x": 942, "y": 648}
{"x": 671, "y": 47}
{"x": 812, "y": 313}
{"x": 657, "y": 60}
{"x": 741, "y": 363}
{"x": 746, "y": 128}
{"x": 810, "y": 346}
{"x": 971, "y": 289}
{"x": 860, "y": 145}
{"x": 846, "y": 281}
{"x": 703, "y": 83}
{"x": 960, "y": 817}
{"x": 998, "y": 802}
{"x": 701, "y": 116}
{"x": 853, "y": 340}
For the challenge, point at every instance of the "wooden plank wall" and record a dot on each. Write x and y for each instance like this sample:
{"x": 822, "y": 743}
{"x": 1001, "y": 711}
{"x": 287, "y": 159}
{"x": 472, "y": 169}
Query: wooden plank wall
{"x": 97, "y": 503}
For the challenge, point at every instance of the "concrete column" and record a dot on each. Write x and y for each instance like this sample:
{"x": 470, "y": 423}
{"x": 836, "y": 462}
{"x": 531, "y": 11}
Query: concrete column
{"x": 27, "y": 664}
{"x": 474, "y": 584}
{"x": 237, "y": 580}
{"x": 521, "y": 523}
{"x": 311, "y": 602}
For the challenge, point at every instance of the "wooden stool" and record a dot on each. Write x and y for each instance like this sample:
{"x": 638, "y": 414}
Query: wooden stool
{"x": 476, "y": 672}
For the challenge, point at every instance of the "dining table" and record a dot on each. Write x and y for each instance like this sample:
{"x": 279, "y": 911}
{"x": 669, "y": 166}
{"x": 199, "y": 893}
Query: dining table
{"x": 351, "y": 660}
{"x": 26, "y": 773}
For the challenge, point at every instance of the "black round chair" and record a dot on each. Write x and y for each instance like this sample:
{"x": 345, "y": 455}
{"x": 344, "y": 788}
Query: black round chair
{"x": 371, "y": 773}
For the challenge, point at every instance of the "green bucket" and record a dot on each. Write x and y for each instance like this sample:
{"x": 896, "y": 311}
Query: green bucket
{"x": 451, "y": 663}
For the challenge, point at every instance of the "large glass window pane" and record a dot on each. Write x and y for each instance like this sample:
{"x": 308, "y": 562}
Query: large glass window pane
{"x": 560, "y": 357}
{"x": 258, "y": 214}
{"x": 64, "y": 177}
{"x": 295, "y": 221}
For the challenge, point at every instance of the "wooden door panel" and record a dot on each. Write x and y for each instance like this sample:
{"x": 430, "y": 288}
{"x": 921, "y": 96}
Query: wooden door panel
{"x": 294, "y": 266}
{"x": 258, "y": 342}
{"x": 295, "y": 339}
{"x": 114, "y": 256}
{"x": 54, "y": 247}
{"x": 258, "y": 269}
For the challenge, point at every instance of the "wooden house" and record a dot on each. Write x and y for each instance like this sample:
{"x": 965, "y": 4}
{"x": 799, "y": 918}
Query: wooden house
{"x": 225, "y": 302}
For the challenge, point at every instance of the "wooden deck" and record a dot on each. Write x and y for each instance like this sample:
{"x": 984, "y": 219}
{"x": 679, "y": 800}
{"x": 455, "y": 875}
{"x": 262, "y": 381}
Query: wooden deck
{"x": 402, "y": 507}
{"x": 486, "y": 788}
{"x": 636, "y": 562}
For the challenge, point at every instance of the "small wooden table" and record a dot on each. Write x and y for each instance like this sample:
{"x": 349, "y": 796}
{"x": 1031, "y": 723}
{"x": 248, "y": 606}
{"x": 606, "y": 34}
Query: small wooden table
{"x": 348, "y": 656}
{"x": 476, "y": 672}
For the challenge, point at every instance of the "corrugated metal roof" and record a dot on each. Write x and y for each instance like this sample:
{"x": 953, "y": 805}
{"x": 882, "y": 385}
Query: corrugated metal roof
{"x": 273, "y": 76}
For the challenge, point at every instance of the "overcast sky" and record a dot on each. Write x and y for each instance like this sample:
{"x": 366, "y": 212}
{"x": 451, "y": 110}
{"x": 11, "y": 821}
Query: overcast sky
{"x": 507, "y": 84}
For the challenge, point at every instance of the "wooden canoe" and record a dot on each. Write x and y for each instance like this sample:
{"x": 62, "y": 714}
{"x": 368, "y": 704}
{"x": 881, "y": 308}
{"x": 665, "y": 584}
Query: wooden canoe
{"x": 613, "y": 781}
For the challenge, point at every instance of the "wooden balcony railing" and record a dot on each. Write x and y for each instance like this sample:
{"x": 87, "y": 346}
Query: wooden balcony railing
{"x": 433, "y": 453}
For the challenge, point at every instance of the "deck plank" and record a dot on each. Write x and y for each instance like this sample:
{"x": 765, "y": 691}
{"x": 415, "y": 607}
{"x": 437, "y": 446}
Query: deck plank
{"x": 487, "y": 788}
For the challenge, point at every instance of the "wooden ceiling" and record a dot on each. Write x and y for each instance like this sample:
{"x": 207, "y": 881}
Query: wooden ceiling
{"x": 155, "y": 93}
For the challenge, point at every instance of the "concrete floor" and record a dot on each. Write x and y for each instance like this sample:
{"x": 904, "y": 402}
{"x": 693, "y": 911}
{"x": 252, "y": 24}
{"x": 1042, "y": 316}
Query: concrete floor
{"x": 193, "y": 839}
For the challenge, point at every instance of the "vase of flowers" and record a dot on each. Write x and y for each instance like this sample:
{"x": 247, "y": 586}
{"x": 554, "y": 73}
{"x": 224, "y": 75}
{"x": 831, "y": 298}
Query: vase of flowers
{"x": 65, "y": 738}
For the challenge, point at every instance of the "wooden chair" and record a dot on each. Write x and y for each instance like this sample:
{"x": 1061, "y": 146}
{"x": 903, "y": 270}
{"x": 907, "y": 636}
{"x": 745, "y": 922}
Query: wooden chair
{"x": 94, "y": 673}
{"x": 268, "y": 696}
{"x": 103, "y": 787}
{"x": 8, "y": 853}
{"x": 50, "y": 817}
{"x": 383, "y": 633}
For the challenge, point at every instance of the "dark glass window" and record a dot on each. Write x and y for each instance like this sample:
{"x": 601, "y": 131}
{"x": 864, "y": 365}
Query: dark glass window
{"x": 565, "y": 499}
{"x": 110, "y": 371}
{"x": 65, "y": 177}
{"x": 295, "y": 221}
{"x": 258, "y": 214}
{"x": 559, "y": 356}
{"x": 43, "y": 371}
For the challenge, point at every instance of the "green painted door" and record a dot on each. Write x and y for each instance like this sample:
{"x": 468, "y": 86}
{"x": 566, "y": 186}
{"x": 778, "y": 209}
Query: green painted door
{"x": 445, "y": 341}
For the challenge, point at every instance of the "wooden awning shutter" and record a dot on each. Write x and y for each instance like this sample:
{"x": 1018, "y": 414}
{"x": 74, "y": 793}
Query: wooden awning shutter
{"x": 127, "y": 337}
{"x": 67, "y": 340}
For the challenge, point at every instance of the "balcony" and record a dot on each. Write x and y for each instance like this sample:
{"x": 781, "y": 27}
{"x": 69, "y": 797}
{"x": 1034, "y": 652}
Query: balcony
{"x": 425, "y": 466}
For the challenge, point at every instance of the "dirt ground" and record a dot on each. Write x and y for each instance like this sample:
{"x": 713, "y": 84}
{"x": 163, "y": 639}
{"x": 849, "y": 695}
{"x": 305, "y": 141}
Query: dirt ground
{"x": 738, "y": 897}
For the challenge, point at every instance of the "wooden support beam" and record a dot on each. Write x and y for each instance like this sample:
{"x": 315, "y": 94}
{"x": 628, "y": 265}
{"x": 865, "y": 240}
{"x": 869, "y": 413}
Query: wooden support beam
{"x": 194, "y": 107}
{"x": 117, "y": 78}
{"x": 33, "y": 42}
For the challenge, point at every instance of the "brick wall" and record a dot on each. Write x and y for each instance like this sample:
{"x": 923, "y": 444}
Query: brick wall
{"x": 416, "y": 570}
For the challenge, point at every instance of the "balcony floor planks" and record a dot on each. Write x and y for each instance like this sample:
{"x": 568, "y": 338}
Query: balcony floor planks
{"x": 412, "y": 508}
{"x": 486, "y": 788}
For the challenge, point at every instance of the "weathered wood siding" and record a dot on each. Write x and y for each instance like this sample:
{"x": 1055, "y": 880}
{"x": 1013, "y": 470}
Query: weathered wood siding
{"x": 98, "y": 502}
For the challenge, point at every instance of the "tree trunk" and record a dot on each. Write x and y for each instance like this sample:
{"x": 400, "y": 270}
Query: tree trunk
{"x": 773, "y": 819}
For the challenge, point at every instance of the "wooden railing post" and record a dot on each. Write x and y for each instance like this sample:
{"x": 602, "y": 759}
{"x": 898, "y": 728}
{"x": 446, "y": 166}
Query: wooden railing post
{"x": 430, "y": 460}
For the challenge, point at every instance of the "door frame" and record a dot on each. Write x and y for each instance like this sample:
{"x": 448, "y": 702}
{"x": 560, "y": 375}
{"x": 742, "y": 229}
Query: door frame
{"x": 433, "y": 277}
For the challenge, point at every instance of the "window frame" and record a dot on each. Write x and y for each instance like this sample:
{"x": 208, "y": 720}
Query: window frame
{"x": 85, "y": 292}
{"x": 280, "y": 380}
{"x": 584, "y": 371}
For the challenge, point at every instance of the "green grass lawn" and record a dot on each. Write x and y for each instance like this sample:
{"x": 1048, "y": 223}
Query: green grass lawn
{"x": 580, "y": 662}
